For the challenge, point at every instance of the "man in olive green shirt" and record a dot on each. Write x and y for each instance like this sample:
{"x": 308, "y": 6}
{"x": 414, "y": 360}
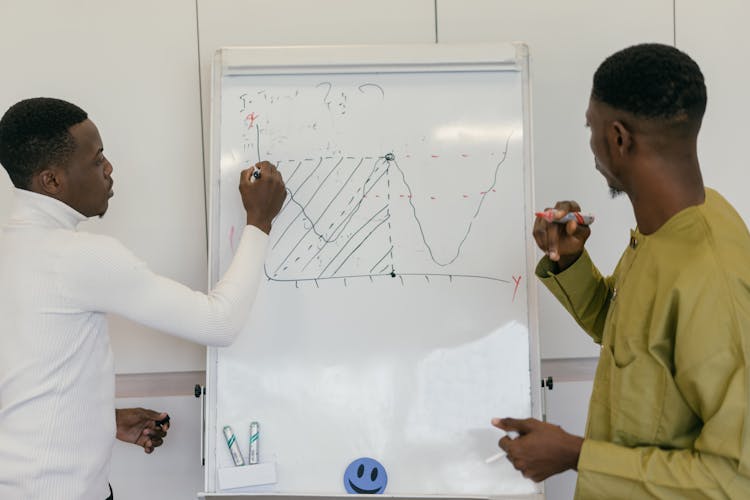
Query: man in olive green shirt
{"x": 668, "y": 416}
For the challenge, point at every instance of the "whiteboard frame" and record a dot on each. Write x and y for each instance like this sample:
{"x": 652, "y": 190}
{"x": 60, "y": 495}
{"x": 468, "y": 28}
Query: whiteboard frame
{"x": 322, "y": 59}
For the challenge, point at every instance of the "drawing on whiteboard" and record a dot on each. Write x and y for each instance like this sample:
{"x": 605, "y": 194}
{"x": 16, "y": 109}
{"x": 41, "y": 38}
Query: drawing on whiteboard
{"x": 350, "y": 214}
{"x": 483, "y": 194}
{"x": 326, "y": 224}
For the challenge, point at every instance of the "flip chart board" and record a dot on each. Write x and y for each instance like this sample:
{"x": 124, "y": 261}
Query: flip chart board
{"x": 396, "y": 318}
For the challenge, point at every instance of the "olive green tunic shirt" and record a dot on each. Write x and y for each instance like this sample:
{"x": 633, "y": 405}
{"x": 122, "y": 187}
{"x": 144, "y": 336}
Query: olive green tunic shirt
{"x": 668, "y": 416}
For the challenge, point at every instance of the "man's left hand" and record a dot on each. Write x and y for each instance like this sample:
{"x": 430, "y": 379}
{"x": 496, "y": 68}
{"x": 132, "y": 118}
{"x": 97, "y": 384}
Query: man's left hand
{"x": 541, "y": 450}
{"x": 139, "y": 426}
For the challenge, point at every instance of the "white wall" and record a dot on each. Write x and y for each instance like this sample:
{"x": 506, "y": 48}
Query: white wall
{"x": 718, "y": 41}
{"x": 567, "y": 404}
{"x": 134, "y": 67}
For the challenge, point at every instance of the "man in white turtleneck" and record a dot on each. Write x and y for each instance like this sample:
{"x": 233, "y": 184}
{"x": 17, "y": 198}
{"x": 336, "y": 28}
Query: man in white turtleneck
{"x": 57, "y": 416}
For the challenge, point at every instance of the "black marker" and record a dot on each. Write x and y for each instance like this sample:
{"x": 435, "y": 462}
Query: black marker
{"x": 162, "y": 422}
{"x": 256, "y": 174}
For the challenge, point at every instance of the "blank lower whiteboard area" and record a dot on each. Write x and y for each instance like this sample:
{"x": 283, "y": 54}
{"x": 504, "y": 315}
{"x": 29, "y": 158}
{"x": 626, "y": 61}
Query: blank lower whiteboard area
{"x": 393, "y": 321}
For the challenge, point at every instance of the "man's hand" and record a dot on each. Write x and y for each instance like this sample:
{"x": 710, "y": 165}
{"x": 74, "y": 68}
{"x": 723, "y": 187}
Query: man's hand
{"x": 541, "y": 450}
{"x": 139, "y": 426}
{"x": 263, "y": 193}
{"x": 563, "y": 243}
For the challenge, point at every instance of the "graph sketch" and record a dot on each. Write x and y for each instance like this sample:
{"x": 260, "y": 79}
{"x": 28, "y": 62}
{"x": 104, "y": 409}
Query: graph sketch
{"x": 367, "y": 196}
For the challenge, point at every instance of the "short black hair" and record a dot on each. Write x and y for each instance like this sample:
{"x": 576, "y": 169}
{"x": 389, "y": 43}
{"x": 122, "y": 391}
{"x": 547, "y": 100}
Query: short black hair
{"x": 34, "y": 134}
{"x": 652, "y": 81}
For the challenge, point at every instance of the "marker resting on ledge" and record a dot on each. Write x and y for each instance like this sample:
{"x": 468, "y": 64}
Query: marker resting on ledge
{"x": 580, "y": 217}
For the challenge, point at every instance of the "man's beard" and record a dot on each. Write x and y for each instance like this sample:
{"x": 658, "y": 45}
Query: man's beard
{"x": 614, "y": 192}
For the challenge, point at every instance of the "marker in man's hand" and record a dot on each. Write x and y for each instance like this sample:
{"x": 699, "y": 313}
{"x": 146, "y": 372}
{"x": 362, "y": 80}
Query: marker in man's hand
{"x": 495, "y": 457}
{"x": 162, "y": 422}
{"x": 501, "y": 454}
{"x": 256, "y": 174}
{"x": 551, "y": 215}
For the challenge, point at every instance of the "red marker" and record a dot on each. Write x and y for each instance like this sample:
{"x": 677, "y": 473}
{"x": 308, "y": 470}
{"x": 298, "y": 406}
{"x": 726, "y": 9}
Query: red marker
{"x": 552, "y": 215}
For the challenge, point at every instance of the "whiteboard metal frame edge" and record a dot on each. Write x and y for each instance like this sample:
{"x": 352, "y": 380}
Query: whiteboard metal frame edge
{"x": 264, "y": 59}
{"x": 531, "y": 295}
{"x": 472, "y": 57}
{"x": 212, "y": 353}
{"x": 522, "y": 56}
{"x": 522, "y": 59}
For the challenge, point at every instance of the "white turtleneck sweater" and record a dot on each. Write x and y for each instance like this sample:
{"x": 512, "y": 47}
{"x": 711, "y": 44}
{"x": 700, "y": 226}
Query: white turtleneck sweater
{"x": 57, "y": 420}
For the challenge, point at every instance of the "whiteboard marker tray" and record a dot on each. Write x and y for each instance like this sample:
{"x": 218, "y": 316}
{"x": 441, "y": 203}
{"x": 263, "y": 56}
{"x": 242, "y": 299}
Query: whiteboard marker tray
{"x": 246, "y": 496}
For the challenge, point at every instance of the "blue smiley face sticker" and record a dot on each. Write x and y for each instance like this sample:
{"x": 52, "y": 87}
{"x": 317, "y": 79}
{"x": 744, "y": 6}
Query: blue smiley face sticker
{"x": 365, "y": 476}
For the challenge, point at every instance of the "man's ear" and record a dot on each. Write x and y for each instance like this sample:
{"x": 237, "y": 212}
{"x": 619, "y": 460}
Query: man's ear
{"x": 620, "y": 138}
{"x": 50, "y": 181}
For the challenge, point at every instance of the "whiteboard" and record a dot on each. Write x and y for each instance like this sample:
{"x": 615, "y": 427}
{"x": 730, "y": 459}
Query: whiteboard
{"x": 395, "y": 320}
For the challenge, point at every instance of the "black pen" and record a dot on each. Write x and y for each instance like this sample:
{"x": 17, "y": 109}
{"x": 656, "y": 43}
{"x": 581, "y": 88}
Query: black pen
{"x": 162, "y": 422}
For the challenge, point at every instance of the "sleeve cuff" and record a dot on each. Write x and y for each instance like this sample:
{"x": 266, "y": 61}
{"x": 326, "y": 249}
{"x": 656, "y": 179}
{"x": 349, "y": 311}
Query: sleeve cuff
{"x": 572, "y": 277}
{"x": 255, "y": 231}
{"x": 256, "y": 239}
{"x": 546, "y": 268}
{"x": 609, "y": 459}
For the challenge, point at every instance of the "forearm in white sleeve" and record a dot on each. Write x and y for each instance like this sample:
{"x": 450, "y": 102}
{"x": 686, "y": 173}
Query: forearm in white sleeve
{"x": 115, "y": 281}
